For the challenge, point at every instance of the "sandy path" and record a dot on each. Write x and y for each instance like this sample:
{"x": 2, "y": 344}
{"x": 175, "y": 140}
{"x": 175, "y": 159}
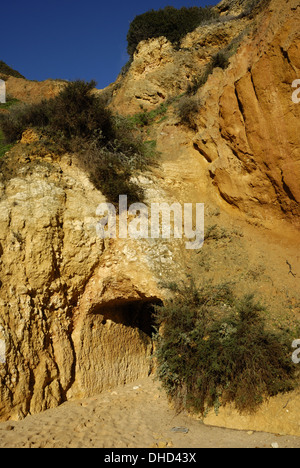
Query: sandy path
{"x": 126, "y": 418}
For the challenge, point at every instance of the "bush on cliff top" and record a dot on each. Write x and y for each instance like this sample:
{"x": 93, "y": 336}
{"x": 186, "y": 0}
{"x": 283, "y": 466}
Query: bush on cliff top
{"x": 74, "y": 113}
{"x": 170, "y": 22}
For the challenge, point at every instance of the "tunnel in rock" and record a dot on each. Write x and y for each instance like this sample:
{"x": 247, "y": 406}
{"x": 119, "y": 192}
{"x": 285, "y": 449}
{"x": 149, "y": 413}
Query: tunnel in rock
{"x": 137, "y": 314}
{"x": 113, "y": 345}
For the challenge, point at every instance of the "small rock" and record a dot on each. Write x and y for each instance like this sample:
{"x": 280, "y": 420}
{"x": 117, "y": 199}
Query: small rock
{"x": 162, "y": 444}
{"x": 275, "y": 445}
{"x": 9, "y": 427}
{"x": 183, "y": 430}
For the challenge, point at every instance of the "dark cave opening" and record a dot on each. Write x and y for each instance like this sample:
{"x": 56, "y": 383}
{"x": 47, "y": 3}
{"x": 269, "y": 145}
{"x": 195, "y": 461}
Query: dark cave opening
{"x": 139, "y": 314}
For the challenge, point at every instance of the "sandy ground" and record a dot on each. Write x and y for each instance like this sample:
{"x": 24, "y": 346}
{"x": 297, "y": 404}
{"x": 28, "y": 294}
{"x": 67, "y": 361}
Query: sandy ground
{"x": 133, "y": 416}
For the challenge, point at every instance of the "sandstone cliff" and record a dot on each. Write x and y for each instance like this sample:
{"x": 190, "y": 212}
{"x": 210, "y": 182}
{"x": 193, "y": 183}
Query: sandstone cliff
{"x": 75, "y": 311}
{"x": 247, "y": 128}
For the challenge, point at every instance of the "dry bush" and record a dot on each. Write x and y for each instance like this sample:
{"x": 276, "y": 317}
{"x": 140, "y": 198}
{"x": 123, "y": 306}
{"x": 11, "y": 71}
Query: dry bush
{"x": 213, "y": 349}
{"x": 188, "y": 108}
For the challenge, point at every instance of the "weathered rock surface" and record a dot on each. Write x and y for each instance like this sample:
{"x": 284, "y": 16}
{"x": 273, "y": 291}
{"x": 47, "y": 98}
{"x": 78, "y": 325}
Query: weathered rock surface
{"x": 74, "y": 309}
{"x": 257, "y": 138}
{"x": 74, "y": 314}
{"x": 159, "y": 71}
{"x": 32, "y": 91}
{"x": 247, "y": 128}
{"x": 280, "y": 415}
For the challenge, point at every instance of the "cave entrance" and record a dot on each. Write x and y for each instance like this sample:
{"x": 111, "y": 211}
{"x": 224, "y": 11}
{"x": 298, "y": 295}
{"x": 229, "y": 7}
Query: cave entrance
{"x": 138, "y": 314}
{"x": 114, "y": 345}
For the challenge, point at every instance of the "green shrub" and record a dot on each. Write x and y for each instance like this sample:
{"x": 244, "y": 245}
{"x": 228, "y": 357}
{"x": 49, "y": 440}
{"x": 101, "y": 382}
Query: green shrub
{"x": 213, "y": 350}
{"x": 112, "y": 165}
{"x": 111, "y": 174}
{"x": 169, "y": 22}
{"x": 143, "y": 119}
{"x": 78, "y": 121}
{"x": 3, "y": 146}
{"x": 10, "y": 101}
{"x": 75, "y": 113}
{"x": 22, "y": 117}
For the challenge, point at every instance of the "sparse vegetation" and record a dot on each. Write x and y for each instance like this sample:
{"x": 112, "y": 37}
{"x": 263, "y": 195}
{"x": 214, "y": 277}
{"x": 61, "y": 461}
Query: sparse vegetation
{"x": 6, "y": 70}
{"x": 111, "y": 165}
{"x": 219, "y": 60}
{"x": 213, "y": 349}
{"x": 215, "y": 232}
{"x": 74, "y": 113}
{"x": 10, "y": 101}
{"x": 198, "y": 81}
{"x": 188, "y": 108}
{"x": 3, "y": 146}
{"x": 249, "y": 7}
{"x": 77, "y": 121}
{"x": 144, "y": 119}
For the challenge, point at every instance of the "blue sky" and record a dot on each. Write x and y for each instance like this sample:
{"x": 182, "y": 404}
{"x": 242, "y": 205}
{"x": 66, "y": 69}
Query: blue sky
{"x": 72, "y": 39}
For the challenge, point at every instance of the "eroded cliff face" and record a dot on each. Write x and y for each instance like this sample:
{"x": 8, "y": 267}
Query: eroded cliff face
{"x": 32, "y": 91}
{"x": 247, "y": 128}
{"x": 257, "y": 168}
{"x": 160, "y": 71}
{"x": 75, "y": 310}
